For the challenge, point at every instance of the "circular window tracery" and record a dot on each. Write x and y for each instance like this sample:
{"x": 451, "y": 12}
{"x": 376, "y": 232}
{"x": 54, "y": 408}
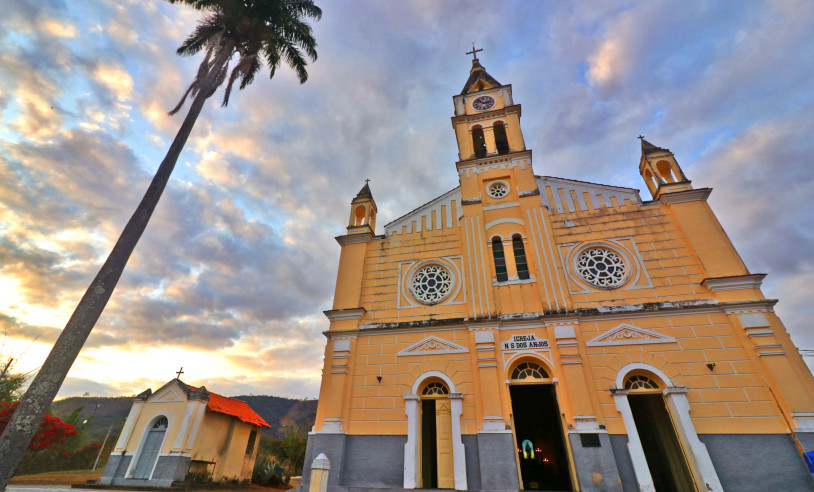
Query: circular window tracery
{"x": 529, "y": 370}
{"x": 431, "y": 284}
{"x": 435, "y": 389}
{"x": 161, "y": 423}
{"x": 639, "y": 382}
{"x": 498, "y": 189}
{"x": 601, "y": 267}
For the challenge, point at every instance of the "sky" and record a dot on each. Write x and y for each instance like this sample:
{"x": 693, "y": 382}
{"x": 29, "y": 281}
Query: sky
{"x": 239, "y": 261}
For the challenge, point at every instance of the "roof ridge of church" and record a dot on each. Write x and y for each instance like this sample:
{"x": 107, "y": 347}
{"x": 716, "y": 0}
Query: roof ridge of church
{"x": 421, "y": 206}
{"x": 586, "y": 182}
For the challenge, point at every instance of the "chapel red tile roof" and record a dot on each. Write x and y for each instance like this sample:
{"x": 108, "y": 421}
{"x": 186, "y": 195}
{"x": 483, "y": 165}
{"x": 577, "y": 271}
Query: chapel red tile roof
{"x": 235, "y": 408}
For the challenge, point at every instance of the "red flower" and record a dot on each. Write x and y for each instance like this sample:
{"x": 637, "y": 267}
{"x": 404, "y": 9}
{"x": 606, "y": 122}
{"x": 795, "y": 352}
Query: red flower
{"x": 52, "y": 430}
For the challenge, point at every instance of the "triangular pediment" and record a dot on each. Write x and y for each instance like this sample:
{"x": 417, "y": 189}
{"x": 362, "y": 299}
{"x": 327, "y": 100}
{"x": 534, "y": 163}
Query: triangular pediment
{"x": 168, "y": 395}
{"x": 433, "y": 345}
{"x": 625, "y": 334}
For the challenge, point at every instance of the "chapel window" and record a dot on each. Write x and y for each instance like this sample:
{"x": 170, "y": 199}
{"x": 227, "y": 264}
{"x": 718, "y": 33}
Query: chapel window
{"x": 161, "y": 423}
{"x": 501, "y": 140}
{"x": 500, "y": 260}
{"x": 478, "y": 141}
{"x": 520, "y": 258}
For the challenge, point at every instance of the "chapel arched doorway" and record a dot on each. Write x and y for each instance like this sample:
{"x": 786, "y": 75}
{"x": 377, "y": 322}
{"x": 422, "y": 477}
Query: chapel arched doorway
{"x": 436, "y": 454}
{"x": 541, "y": 449}
{"x": 150, "y": 449}
{"x": 663, "y": 451}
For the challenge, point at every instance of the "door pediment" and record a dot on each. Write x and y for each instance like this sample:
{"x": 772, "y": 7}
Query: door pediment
{"x": 433, "y": 345}
{"x": 625, "y": 334}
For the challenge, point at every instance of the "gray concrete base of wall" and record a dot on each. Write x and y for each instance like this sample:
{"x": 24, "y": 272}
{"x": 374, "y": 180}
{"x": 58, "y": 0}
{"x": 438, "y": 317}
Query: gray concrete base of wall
{"x": 595, "y": 466}
{"x": 168, "y": 469}
{"x": 746, "y": 463}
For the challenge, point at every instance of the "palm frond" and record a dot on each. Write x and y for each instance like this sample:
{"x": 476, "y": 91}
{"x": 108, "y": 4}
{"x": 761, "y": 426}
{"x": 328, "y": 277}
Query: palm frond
{"x": 245, "y": 68}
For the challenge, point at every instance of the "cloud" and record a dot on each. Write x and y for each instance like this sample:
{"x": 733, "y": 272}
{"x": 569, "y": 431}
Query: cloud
{"x": 57, "y": 28}
{"x": 239, "y": 258}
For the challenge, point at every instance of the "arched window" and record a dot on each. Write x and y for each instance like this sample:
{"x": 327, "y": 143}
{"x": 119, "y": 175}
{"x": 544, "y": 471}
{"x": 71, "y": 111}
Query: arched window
{"x": 666, "y": 171}
{"x": 478, "y": 142}
{"x": 435, "y": 388}
{"x": 359, "y": 216}
{"x": 529, "y": 370}
{"x": 520, "y": 258}
{"x": 501, "y": 140}
{"x": 639, "y": 382}
{"x": 500, "y": 260}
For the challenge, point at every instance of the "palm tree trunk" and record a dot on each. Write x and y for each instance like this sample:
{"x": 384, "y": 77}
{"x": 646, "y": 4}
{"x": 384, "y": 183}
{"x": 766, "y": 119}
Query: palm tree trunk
{"x": 35, "y": 403}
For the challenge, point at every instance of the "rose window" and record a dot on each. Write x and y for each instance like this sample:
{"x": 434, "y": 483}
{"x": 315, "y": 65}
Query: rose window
{"x": 432, "y": 284}
{"x": 498, "y": 190}
{"x": 601, "y": 267}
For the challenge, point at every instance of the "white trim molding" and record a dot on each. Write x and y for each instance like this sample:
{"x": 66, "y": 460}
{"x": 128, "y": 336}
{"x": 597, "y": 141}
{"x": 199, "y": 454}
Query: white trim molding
{"x": 679, "y": 408}
{"x": 343, "y": 314}
{"x": 683, "y": 196}
{"x": 505, "y": 220}
{"x": 717, "y": 284}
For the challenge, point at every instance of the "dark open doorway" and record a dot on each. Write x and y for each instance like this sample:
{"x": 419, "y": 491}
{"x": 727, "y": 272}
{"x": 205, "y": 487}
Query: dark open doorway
{"x": 665, "y": 458}
{"x": 429, "y": 449}
{"x": 541, "y": 447}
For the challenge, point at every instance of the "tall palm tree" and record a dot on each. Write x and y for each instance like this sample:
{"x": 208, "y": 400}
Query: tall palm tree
{"x": 259, "y": 32}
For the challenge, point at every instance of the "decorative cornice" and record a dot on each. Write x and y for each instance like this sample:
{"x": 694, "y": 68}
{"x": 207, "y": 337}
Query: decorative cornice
{"x": 534, "y": 192}
{"x": 343, "y": 314}
{"x": 362, "y": 237}
{"x": 717, "y": 284}
{"x": 700, "y": 194}
{"x": 747, "y": 306}
{"x": 470, "y": 201}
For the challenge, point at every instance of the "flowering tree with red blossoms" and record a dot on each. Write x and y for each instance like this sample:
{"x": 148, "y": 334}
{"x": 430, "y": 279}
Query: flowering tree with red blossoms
{"x": 52, "y": 431}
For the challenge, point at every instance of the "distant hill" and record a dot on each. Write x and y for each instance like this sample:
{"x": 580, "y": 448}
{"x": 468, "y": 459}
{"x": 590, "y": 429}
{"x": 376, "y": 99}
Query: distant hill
{"x": 114, "y": 411}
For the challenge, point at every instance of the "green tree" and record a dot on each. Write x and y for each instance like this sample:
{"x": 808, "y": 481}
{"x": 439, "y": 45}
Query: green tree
{"x": 10, "y": 384}
{"x": 259, "y": 32}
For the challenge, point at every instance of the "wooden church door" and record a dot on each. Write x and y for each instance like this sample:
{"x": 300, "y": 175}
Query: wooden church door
{"x": 437, "y": 469}
{"x": 150, "y": 450}
{"x": 443, "y": 426}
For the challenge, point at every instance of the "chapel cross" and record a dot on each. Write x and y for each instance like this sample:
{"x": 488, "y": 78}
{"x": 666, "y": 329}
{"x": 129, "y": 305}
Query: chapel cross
{"x": 180, "y": 371}
{"x": 367, "y": 181}
{"x": 474, "y": 52}
{"x": 640, "y": 137}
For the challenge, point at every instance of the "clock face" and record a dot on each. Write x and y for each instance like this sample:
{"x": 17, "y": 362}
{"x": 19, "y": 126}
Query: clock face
{"x": 483, "y": 103}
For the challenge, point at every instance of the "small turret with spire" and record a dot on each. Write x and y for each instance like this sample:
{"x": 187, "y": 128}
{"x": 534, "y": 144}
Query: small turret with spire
{"x": 362, "y": 211}
{"x": 660, "y": 170}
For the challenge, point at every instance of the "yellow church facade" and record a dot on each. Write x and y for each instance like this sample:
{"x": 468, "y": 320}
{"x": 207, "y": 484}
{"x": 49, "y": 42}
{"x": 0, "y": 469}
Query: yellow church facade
{"x": 532, "y": 332}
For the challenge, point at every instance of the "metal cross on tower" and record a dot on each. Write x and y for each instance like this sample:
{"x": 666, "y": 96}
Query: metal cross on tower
{"x": 474, "y": 52}
{"x": 180, "y": 371}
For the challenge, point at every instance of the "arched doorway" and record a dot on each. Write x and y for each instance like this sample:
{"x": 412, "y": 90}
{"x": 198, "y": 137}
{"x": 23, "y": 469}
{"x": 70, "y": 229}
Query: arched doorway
{"x": 541, "y": 449}
{"x": 437, "y": 469}
{"x": 663, "y": 450}
{"x": 150, "y": 449}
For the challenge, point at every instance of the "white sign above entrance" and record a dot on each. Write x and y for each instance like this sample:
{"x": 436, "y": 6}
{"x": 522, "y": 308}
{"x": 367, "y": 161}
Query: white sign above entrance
{"x": 520, "y": 342}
